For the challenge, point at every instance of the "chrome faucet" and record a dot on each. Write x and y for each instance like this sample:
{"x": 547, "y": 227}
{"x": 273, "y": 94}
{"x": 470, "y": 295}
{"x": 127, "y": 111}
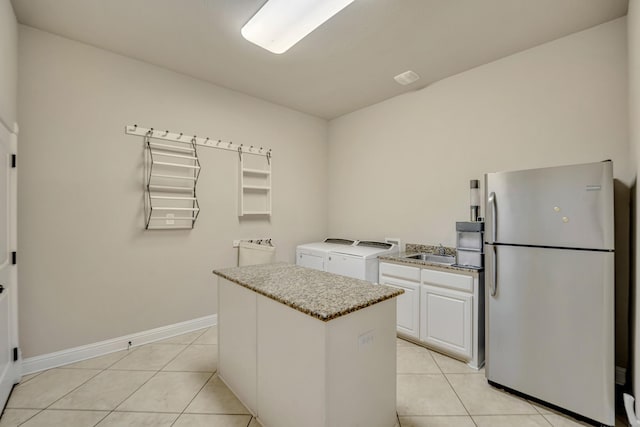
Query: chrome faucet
{"x": 441, "y": 250}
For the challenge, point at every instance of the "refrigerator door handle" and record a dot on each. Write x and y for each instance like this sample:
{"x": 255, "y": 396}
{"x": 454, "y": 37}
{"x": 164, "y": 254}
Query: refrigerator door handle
{"x": 492, "y": 203}
{"x": 494, "y": 273}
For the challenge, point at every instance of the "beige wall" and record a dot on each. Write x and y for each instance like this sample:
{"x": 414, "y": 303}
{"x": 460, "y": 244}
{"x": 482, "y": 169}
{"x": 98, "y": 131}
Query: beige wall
{"x": 397, "y": 169}
{"x": 401, "y": 168}
{"x": 88, "y": 271}
{"x": 8, "y": 64}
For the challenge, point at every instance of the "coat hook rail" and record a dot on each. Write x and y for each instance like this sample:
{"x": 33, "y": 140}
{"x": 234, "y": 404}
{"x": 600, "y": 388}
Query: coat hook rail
{"x": 265, "y": 242}
{"x": 201, "y": 141}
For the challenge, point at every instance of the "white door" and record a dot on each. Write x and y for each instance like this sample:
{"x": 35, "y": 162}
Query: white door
{"x": 9, "y": 369}
{"x": 408, "y": 306}
{"x": 447, "y": 320}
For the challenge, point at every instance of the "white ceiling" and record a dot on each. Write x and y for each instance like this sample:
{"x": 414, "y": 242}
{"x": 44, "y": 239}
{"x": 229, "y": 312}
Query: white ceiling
{"x": 346, "y": 64}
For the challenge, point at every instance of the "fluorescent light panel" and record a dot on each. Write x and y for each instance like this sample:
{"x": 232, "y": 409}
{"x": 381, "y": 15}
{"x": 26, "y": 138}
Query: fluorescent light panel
{"x": 280, "y": 24}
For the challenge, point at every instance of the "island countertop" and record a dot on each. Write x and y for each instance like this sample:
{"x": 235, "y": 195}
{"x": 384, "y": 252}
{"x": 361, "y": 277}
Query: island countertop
{"x": 319, "y": 294}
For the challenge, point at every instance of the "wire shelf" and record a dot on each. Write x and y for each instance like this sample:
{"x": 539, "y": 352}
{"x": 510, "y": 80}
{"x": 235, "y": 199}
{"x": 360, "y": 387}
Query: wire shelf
{"x": 170, "y": 188}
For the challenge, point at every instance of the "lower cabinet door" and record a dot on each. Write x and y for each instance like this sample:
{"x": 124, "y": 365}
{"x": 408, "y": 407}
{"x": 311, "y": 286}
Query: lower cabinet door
{"x": 447, "y": 319}
{"x": 408, "y": 306}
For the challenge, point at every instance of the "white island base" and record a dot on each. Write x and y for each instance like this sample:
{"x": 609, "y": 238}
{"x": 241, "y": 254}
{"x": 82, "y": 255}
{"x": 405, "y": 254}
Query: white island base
{"x": 291, "y": 369}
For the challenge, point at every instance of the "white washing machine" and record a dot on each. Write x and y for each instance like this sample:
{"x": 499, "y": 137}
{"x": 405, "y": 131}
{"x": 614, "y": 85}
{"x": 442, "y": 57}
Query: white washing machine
{"x": 360, "y": 260}
{"x": 315, "y": 255}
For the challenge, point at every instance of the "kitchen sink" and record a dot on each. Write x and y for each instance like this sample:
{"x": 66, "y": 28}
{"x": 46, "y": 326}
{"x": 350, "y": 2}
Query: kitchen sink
{"x": 436, "y": 259}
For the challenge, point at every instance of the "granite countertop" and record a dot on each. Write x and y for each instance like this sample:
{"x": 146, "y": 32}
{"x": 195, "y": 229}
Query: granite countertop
{"x": 401, "y": 258}
{"x": 319, "y": 294}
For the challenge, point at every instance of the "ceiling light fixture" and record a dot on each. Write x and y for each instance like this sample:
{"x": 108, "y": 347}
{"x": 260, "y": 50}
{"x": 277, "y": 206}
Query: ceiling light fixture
{"x": 280, "y": 24}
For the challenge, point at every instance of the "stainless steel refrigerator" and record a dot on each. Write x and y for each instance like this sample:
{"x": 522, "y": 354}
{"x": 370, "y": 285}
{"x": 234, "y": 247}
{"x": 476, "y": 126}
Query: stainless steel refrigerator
{"x": 549, "y": 248}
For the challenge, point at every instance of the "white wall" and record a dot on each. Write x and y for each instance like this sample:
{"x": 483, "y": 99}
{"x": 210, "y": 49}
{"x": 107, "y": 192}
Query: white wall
{"x": 401, "y": 168}
{"x": 88, "y": 270}
{"x": 8, "y": 64}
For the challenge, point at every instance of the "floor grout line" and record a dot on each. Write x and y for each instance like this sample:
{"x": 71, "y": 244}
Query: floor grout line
{"x": 108, "y": 412}
{"x": 145, "y": 382}
{"x": 101, "y": 419}
{"x": 31, "y": 417}
{"x": 75, "y": 388}
{"x": 547, "y": 420}
{"x": 35, "y": 374}
{"x": 197, "y": 393}
{"x": 154, "y": 373}
{"x": 129, "y": 395}
{"x": 460, "y": 399}
{"x": 100, "y": 371}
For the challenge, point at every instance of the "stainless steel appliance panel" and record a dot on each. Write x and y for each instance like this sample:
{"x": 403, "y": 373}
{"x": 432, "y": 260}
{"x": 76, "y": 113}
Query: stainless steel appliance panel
{"x": 567, "y": 206}
{"x": 551, "y": 326}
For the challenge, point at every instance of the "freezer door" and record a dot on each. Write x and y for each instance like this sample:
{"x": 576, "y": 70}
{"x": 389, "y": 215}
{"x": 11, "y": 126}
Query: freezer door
{"x": 568, "y": 206}
{"x": 550, "y": 326}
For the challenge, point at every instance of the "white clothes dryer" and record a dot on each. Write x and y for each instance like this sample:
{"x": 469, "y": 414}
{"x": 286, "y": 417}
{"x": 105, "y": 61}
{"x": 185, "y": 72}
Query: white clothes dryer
{"x": 315, "y": 255}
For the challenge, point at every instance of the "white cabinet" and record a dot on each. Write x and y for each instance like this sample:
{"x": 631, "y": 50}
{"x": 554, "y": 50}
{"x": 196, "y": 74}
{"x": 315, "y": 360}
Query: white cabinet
{"x": 237, "y": 335}
{"x": 446, "y": 319}
{"x": 443, "y": 310}
{"x": 408, "y": 304}
{"x": 452, "y": 314}
{"x": 290, "y": 369}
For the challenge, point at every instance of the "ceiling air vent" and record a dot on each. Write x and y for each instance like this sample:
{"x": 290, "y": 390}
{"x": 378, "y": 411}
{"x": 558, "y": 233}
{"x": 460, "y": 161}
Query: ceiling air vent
{"x": 406, "y": 78}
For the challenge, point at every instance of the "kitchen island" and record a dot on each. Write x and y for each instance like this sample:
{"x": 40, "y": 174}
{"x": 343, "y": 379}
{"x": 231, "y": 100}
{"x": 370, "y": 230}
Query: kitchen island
{"x": 305, "y": 347}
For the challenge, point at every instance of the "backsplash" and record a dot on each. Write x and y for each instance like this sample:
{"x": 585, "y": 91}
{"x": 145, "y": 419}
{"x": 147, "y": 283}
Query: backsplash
{"x": 418, "y": 248}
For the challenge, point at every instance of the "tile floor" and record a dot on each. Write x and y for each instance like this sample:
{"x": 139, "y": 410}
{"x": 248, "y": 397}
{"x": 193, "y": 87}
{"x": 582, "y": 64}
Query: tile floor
{"x": 172, "y": 383}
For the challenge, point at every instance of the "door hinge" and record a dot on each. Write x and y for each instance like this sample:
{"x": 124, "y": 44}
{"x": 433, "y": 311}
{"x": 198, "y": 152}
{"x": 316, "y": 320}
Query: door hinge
{"x": 14, "y": 160}
{"x": 14, "y": 257}
{"x": 15, "y": 354}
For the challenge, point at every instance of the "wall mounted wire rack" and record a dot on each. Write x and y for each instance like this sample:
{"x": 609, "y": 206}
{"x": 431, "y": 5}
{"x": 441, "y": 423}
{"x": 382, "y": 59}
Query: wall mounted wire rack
{"x": 172, "y": 170}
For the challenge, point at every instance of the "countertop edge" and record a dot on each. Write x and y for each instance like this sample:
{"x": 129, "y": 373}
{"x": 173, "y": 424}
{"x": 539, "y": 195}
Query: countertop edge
{"x": 402, "y": 260}
{"x": 310, "y": 313}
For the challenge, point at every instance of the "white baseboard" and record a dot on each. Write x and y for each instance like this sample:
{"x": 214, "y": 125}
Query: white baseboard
{"x": 621, "y": 375}
{"x": 76, "y": 354}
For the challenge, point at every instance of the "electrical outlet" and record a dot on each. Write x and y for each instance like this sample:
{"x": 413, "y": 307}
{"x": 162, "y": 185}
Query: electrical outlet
{"x": 365, "y": 340}
{"x": 170, "y": 219}
{"x": 236, "y": 243}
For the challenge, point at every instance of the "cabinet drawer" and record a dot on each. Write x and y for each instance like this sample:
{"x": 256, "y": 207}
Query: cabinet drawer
{"x": 400, "y": 271}
{"x": 449, "y": 280}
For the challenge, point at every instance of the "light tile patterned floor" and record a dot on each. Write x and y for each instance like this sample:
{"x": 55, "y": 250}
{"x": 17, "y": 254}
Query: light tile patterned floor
{"x": 173, "y": 383}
